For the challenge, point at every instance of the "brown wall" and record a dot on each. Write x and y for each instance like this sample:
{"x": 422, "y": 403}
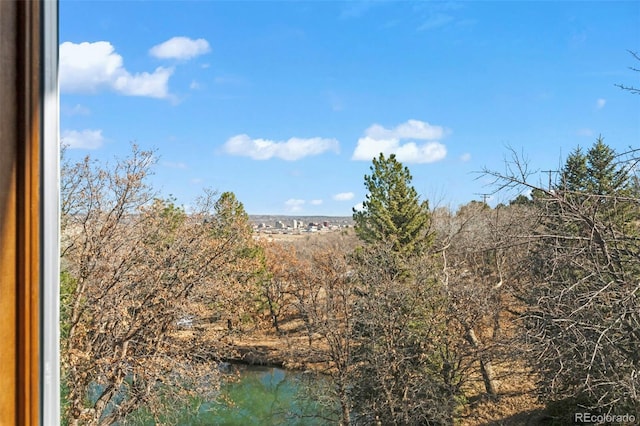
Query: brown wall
{"x": 20, "y": 115}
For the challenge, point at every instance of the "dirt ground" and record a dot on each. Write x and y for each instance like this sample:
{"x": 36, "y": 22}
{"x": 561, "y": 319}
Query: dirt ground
{"x": 515, "y": 405}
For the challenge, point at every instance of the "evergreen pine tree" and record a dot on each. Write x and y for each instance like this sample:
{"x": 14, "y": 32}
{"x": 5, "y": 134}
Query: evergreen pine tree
{"x": 393, "y": 211}
{"x": 573, "y": 176}
{"x": 596, "y": 173}
{"x": 585, "y": 269}
{"x": 230, "y": 215}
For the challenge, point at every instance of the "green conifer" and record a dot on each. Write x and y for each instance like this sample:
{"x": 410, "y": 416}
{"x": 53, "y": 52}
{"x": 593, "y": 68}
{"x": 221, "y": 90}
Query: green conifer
{"x": 393, "y": 211}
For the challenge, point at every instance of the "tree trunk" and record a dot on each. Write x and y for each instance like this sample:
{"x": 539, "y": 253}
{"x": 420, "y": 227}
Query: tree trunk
{"x": 486, "y": 369}
{"x": 345, "y": 406}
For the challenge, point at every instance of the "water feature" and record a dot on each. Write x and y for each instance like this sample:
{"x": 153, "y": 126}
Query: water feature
{"x": 262, "y": 396}
{"x": 269, "y": 396}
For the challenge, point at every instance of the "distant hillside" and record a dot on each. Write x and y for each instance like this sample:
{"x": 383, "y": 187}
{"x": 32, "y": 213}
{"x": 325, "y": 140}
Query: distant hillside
{"x": 305, "y": 220}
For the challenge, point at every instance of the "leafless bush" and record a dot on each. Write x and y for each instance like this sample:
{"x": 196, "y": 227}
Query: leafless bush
{"x": 479, "y": 248}
{"x": 583, "y": 316}
{"x": 135, "y": 265}
{"x": 409, "y": 364}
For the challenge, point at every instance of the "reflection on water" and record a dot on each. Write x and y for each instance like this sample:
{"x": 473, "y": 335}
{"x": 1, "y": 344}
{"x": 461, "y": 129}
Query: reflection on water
{"x": 268, "y": 396}
{"x": 261, "y": 396}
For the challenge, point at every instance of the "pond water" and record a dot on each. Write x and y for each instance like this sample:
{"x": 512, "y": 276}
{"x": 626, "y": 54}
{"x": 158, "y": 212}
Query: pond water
{"x": 269, "y": 396}
{"x": 262, "y": 396}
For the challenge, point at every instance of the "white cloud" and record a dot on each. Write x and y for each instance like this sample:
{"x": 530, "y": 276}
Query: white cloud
{"x": 290, "y": 150}
{"x": 86, "y": 66}
{"x": 585, "y": 132}
{"x": 91, "y": 67}
{"x": 378, "y": 139}
{"x": 343, "y": 196}
{"x": 194, "y": 85}
{"x": 426, "y": 153}
{"x": 180, "y": 48}
{"x": 153, "y": 85}
{"x": 294, "y": 205}
{"x": 315, "y": 202}
{"x": 359, "y": 207}
{"x": 84, "y": 139}
{"x": 465, "y": 157}
{"x": 412, "y": 129}
{"x": 600, "y": 103}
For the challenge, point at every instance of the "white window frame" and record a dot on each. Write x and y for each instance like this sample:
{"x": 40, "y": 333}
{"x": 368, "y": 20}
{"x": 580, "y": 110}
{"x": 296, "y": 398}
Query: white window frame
{"x": 50, "y": 220}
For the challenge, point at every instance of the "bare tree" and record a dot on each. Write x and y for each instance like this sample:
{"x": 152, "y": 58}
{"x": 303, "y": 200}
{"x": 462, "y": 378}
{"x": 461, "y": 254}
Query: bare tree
{"x": 328, "y": 309}
{"x": 479, "y": 248}
{"x": 632, "y": 89}
{"x": 409, "y": 366}
{"x": 583, "y": 326}
{"x": 133, "y": 266}
{"x": 282, "y": 271}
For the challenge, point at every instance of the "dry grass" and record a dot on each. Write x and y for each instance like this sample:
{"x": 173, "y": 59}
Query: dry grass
{"x": 516, "y": 403}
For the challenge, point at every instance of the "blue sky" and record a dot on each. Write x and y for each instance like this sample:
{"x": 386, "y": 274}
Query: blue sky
{"x": 286, "y": 103}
